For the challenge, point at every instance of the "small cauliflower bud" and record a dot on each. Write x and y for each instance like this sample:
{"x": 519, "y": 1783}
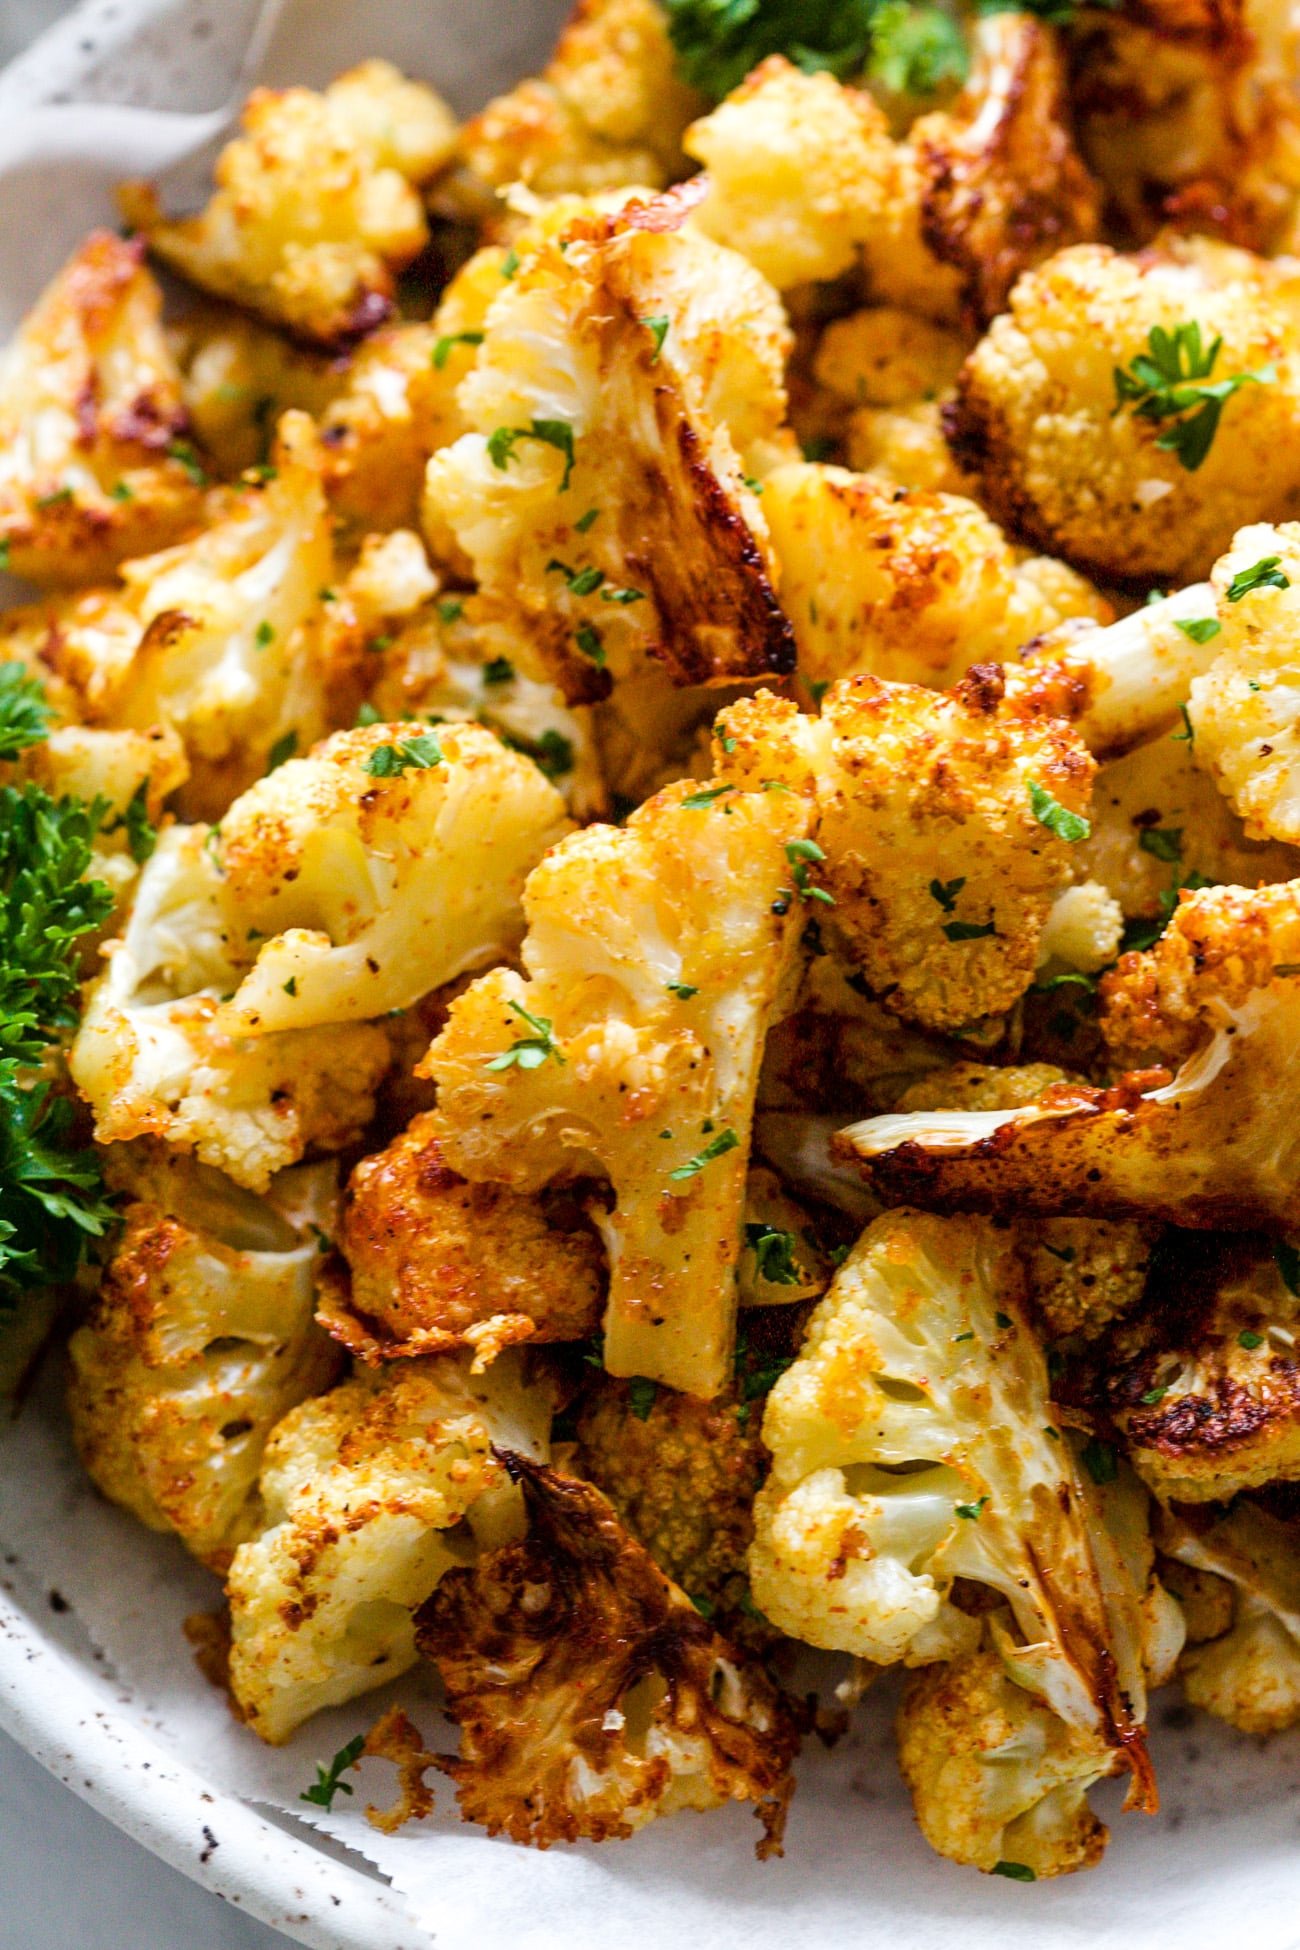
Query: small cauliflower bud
{"x": 885, "y": 357}
{"x": 914, "y": 1443}
{"x": 93, "y": 467}
{"x": 590, "y": 1693}
{"x": 1083, "y": 930}
{"x": 201, "y": 1338}
{"x": 315, "y": 207}
{"x": 370, "y": 1493}
{"x": 914, "y": 587}
{"x": 1249, "y": 1674}
{"x": 152, "y": 1059}
{"x": 999, "y": 1781}
{"x": 655, "y": 959}
{"x": 384, "y": 865}
{"x": 627, "y": 385}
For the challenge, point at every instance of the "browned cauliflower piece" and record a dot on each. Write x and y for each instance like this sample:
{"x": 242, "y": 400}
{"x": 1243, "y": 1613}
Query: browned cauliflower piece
{"x": 1202, "y": 1137}
{"x": 630, "y": 376}
{"x": 913, "y": 587}
{"x": 93, "y": 467}
{"x": 1069, "y": 458}
{"x": 590, "y": 1694}
{"x": 436, "y": 1263}
{"x": 200, "y": 1340}
{"x": 887, "y": 357}
{"x": 1247, "y": 1673}
{"x": 905, "y": 781}
{"x": 906, "y": 447}
{"x": 316, "y": 205}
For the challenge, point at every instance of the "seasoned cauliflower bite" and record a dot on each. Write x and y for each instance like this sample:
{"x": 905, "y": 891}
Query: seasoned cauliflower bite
{"x": 369, "y": 1495}
{"x": 1103, "y": 472}
{"x": 1200, "y": 1136}
{"x": 945, "y": 822}
{"x": 1246, "y": 1672}
{"x": 590, "y": 1693}
{"x": 631, "y": 376}
{"x": 200, "y": 1339}
{"x": 92, "y": 464}
{"x": 1244, "y": 711}
{"x": 153, "y": 1058}
{"x": 316, "y": 203}
{"x": 383, "y": 865}
{"x": 914, "y": 1444}
{"x": 435, "y": 1263}
{"x": 655, "y": 959}
{"x": 910, "y": 586}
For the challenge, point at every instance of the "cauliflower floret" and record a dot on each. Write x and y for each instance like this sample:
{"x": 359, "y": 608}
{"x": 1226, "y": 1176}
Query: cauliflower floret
{"x": 1083, "y": 930}
{"x": 1065, "y": 460}
{"x": 152, "y": 1058}
{"x": 906, "y": 447}
{"x": 887, "y": 357}
{"x": 380, "y": 867}
{"x": 1250, "y": 1675}
{"x": 590, "y": 1694}
{"x": 656, "y": 957}
{"x": 1244, "y": 711}
{"x": 436, "y": 1263}
{"x": 975, "y": 780}
{"x": 315, "y": 207}
{"x": 92, "y": 468}
{"x": 1213, "y": 1145}
{"x": 607, "y": 109}
{"x": 202, "y": 1337}
{"x": 625, "y": 384}
{"x": 908, "y": 586}
{"x": 997, "y": 1779}
{"x": 370, "y": 1494}
{"x": 914, "y": 1443}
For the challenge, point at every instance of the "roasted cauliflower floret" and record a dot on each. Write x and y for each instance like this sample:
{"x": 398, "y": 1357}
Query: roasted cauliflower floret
{"x": 201, "y": 1338}
{"x": 590, "y": 1694}
{"x": 370, "y": 1494}
{"x": 656, "y": 956}
{"x": 906, "y": 447}
{"x": 1083, "y": 930}
{"x": 887, "y": 357}
{"x": 153, "y": 1059}
{"x": 997, "y": 1779}
{"x": 1110, "y": 472}
{"x": 1249, "y": 1675}
{"x": 622, "y": 386}
{"x": 382, "y": 866}
{"x": 315, "y": 206}
{"x": 914, "y": 1443}
{"x": 912, "y": 587}
{"x": 976, "y": 781}
{"x": 92, "y": 464}
{"x": 436, "y": 1263}
{"x": 1201, "y": 1137}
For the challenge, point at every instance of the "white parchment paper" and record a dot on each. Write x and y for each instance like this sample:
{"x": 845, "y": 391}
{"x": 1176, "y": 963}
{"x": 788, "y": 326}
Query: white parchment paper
{"x": 135, "y": 86}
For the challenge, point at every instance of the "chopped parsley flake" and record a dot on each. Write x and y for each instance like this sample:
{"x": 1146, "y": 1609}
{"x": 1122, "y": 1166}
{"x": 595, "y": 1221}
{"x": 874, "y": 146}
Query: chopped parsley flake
{"x": 1200, "y": 628}
{"x": 418, "y": 754}
{"x": 1264, "y": 574}
{"x": 716, "y": 1148}
{"x": 1058, "y": 819}
{"x": 442, "y": 351}
{"x": 329, "y": 1780}
{"x": 529, "y": 1052}
{"x": 1171, "y": 382}
{"x": 773, "y": 1251}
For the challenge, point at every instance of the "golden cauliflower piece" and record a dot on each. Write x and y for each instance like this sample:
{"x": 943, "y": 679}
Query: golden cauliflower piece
{"x": 887, "y": 357}
{"x": 625, "y": 384}
{"x": 906, "y": 447}
{"x": 152, "y": 1057}
{"x": 1070, "y": 456}
{"x": 315, "y": 206}
{"x": 370, "y": 1494}
{"x": 976, "y": 781}
{"x": 436, "y": 1263}
{"x": 201, "y": 1338}
{"x": 914, "y": 1443}
{"x": 590, "y": 1694}
{"x": 908, "y": 586}
{"x": 1201, "y": 1137}
{"x": 656, "y": 956}
{"x": 1250, "y": 1674}
{"x": 93, "y": 467}
{"x": 380, "y": 867}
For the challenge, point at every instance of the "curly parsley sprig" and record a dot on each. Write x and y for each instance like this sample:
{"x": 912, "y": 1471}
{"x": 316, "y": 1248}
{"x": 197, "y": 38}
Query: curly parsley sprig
{"x": 1171, "y": 381}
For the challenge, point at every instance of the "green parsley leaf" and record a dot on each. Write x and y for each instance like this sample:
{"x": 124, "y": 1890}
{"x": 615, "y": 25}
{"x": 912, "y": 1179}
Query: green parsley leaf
{"x": 799, "y": 853}
{"x": 968, "y": 930}
{"x": 773, "y": 1251}
{"x": 658, "y": 328}
{"x": 141, "y": 836}
{"x": 682, "y": 990}
{"x": 510, "y": 264}
{"x": 1153, "y": 1396}
{"x": 451, "y": 609}
{"x": 329, "y": 1780}
{"x": 622, "y": 596}
{"x": 641, "y": 1396}
{"x": 122, "y": 491}
{"x": 1171, "y": 381}
{"x": 916, "y": 50}
{"x": 367, "y": 715}
{"x": 972, "y": 1510}
{"x": 946, "y": 892}
{"x": 24, "y": 712}
{"x": 291, "y": 986}
{"x": 1287, "y": 1261}
{"x": 56, "y": 498}
{"x": 264, "y": 635}
{"x": 418, "y": 754}
{"x": 1249, "y": 1340}
{"x": 442, "y": 350}
{"x": 499, "y": 671}
{"x": 552, "y": 433}
{"x": 1100, "y": 1461}
{"x": 704, "y": 1606}
{"x": 529, "y": 1052}
{"x": 1264, "y": 574}
{"x": 1015, "y": 1871}
{"x": 1057, "y": 818}
{"x": 1188, "y": 732}
{"x": 1066, "y": 1254}
{"x": 283, "y": 748}
{"x": 1200, "y": 628}
{"x": 181, "y": 451}
{"x": 706, "y": 796}
{"x": 1162, "y": 842}
{"x": 587, "y": 521}
{"x": 589, "y": 642}
{"x": 716, "y": 1148}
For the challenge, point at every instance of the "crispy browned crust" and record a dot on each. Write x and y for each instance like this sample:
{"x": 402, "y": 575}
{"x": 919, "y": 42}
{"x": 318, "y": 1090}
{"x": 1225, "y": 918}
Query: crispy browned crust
{"x": 541, "y": 1644}
{"x": 396, "y": 1738}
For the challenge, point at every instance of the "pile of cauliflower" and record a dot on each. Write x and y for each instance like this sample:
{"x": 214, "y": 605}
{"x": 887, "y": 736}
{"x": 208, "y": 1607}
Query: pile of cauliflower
{"x": 695, "y": 1055}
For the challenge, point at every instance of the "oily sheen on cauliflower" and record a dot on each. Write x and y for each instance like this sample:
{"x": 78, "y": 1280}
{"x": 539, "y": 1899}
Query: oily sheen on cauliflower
{"x": 201, "y": 1338}
{"x": 933, "y": 811}
{"x": 369, "y": 1494}
{"x": 914, "y": 1443}
{"x": 628, "y": 385}
{"x": 655, "y": 958}
{"x": 383, "y": 865}
{"x": 316, "y": 205}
